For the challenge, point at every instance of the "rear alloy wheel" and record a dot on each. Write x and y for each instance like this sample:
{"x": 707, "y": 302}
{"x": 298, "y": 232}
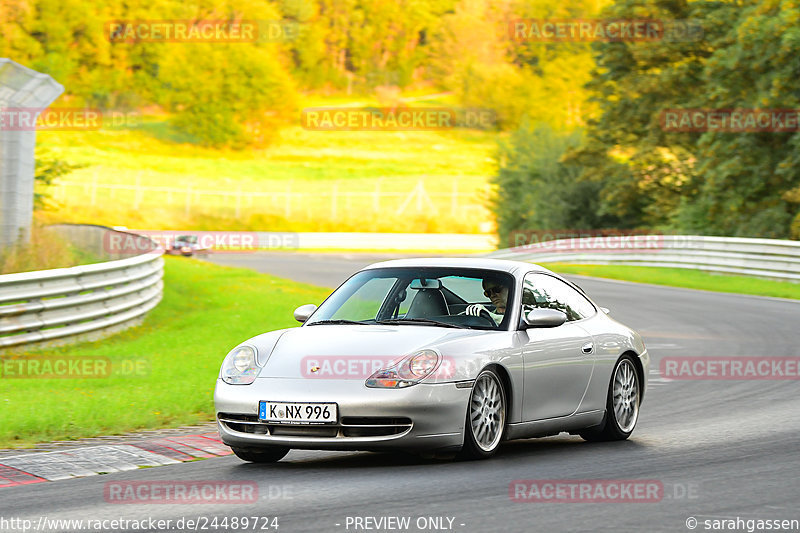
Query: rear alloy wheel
{"x": 486, "y": 417}
{"x": 622, "y": 405}
{"x": 272, "y": 454}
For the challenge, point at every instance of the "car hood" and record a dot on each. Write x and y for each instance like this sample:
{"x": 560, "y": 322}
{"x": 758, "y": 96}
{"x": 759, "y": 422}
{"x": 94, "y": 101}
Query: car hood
{"x": 357, "y": 349}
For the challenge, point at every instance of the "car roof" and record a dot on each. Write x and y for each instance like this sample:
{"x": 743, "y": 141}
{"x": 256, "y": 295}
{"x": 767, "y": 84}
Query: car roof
{"x": 512, "y": 267}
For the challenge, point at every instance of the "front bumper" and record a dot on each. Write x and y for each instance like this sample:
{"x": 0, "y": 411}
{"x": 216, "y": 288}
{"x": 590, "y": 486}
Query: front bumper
{"x": 417, "y": 418}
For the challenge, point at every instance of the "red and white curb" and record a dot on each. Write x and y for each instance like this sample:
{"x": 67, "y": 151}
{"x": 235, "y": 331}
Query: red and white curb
{"x": 93, "y": 460}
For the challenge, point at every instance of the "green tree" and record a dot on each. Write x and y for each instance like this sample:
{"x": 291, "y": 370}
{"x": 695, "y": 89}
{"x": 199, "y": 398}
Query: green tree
{"x": 48, "y": 168}
{"x": 746, "y": 176}
{"x": 536, "y": 190}
{"x": 220, "y": 93}
{"x": 699, "y": 182}
{"x": 240, "y": 102}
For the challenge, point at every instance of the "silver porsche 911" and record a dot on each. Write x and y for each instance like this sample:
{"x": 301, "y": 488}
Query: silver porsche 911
{"x": 437, "y": 356}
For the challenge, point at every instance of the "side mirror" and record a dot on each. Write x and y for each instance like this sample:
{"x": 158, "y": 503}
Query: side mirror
{"x": 543, "y": 318}
{"x": 605, "y": 310}
{"x": 302, "y": 313}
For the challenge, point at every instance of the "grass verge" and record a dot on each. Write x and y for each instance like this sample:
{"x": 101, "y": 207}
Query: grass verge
{"x": 145, "y": 177}
{"x": 681, "y": 277}
{"x": 45, "y": 250}
{"x": 206, "y": 310}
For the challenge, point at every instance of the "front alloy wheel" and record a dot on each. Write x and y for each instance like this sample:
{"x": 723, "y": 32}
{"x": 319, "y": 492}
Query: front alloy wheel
{"x": 486, "y": 417}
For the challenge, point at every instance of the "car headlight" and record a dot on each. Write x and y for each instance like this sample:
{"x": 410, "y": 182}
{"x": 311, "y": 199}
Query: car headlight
{"x": 407, "y": 372}
{"x": 239, "y": 367}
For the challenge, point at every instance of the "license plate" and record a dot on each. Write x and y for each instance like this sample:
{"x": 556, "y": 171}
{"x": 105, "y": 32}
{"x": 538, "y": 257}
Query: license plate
{"x": 298, "y": 413}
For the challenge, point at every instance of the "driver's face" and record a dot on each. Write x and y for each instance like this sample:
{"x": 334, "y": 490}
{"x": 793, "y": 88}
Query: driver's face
{"x": 498, "y": 295}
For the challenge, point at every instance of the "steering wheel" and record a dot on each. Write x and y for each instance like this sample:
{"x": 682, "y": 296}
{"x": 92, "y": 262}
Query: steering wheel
{"x": 483, "y": 314}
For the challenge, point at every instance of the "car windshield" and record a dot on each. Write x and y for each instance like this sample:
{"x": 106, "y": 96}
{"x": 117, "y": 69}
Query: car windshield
{"x": 190, "y": 239}
{"x": 428, "y": 296}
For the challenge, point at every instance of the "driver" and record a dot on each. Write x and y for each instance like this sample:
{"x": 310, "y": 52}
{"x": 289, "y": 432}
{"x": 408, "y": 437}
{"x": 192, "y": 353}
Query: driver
{"x": 497, "y": 292}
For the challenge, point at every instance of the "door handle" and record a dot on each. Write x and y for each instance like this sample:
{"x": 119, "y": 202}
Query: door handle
{"x": 587, "y": 348}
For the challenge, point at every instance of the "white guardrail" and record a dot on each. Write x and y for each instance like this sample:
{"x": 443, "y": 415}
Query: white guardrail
{"x": 766, "y": 258}
{"x": 84, "y": 302}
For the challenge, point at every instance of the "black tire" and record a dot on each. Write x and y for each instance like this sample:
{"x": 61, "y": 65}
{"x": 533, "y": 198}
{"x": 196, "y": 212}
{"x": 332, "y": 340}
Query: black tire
{"x": 612, "y": 427}
{"x": 487, "y": 407}
{"x": 272, "y": 454}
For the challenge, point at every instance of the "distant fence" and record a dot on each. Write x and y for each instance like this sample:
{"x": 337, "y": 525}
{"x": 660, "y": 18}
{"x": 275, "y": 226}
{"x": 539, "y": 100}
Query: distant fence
{"x": 330, "y": 197}
{"x": 766, "y": 258}
{"x": 84, "y": 302}
{"x": 251, "y": 241}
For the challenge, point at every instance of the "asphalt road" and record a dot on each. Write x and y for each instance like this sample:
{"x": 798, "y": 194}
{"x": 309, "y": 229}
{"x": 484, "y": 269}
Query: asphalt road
{"x": 720, "y": 449}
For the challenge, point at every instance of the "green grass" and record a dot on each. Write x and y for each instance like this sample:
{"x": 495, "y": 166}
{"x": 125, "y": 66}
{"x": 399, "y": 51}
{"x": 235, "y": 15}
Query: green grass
{"x": 680, "y": 277}
{"x": 314, "y": 166}
{"x": 206, "y": 311}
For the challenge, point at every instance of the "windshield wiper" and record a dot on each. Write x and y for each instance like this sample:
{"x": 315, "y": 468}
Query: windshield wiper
{"x": 420, "y": 322}
{"x": 338, "y": 321}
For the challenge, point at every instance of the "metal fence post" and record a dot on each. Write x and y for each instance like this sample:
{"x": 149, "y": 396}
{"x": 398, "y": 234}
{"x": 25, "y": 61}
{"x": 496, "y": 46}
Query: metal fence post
{"x": 32, "y": 91}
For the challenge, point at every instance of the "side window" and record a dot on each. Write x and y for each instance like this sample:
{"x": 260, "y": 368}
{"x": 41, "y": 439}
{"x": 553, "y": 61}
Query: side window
{"x": 543, "y": 291}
